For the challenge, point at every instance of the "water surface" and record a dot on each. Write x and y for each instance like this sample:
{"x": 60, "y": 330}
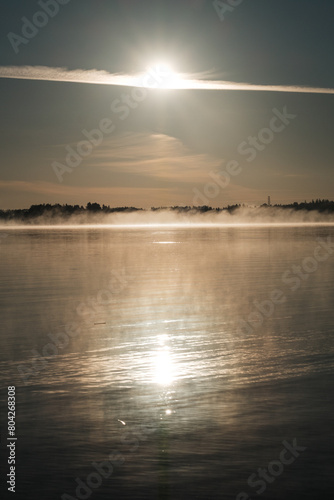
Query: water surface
{"x": 161, "y": 371}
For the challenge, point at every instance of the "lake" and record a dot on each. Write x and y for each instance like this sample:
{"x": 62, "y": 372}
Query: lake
{"x": 169, "y": 362}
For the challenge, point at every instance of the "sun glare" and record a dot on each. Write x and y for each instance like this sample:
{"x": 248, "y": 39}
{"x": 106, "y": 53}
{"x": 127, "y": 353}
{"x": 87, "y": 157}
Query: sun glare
{"x": 161, "y": 75}
{"x": 163, "y": 367}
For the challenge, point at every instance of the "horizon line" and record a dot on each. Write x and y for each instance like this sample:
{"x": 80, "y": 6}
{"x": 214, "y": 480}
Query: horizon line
{"x": 169, "y": 207}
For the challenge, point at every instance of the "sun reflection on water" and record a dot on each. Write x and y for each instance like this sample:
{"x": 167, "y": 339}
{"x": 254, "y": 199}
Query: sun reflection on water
{"x": 163, "y": 363}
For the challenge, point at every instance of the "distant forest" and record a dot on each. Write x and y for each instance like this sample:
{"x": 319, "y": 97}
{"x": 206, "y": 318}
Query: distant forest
{"x": 66, "y": 211}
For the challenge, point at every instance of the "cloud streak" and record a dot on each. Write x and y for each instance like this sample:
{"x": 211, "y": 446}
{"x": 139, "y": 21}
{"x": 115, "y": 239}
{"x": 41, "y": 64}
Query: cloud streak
{"x": 184, "y": 82}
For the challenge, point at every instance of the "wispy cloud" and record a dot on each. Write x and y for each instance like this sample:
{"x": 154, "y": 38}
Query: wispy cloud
{"x": 154, "y": 155}
{"x": 45, "y": 73}
{"x": 185, "y": 82}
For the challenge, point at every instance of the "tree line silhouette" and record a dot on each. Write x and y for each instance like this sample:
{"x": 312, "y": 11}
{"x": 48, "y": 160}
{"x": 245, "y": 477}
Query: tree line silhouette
{"x": 55, "y": 211}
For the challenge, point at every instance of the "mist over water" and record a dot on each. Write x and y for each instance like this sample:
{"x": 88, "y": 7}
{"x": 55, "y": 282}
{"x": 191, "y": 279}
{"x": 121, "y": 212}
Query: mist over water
{"x": 162, "y": 370}
{"x": 242, "y": 215}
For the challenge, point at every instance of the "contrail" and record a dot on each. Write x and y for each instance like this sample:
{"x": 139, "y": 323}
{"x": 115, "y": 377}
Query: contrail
{"x": 144, "y": 80}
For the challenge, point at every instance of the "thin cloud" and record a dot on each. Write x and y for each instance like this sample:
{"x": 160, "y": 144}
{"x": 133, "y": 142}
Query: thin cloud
{"x": 185, "y": 82}
{"x": 157, "y": 156}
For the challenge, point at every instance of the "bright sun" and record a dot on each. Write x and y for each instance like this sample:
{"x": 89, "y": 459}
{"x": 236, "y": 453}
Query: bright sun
{"x": 162, "y": 76}
{"x": 164, "y": 369}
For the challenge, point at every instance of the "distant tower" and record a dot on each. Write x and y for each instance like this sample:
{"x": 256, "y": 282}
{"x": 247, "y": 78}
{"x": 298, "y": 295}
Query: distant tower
{"x": 269, "y": 202}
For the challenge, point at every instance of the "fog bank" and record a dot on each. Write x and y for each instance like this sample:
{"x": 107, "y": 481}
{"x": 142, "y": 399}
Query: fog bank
{"x": 193, "y": 217}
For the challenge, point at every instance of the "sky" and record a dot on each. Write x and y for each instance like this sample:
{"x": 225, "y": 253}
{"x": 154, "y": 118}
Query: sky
{"x": 160, "y": 103}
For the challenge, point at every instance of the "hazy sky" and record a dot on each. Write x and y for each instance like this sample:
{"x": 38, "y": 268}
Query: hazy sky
{"x": 166, "y": 146}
